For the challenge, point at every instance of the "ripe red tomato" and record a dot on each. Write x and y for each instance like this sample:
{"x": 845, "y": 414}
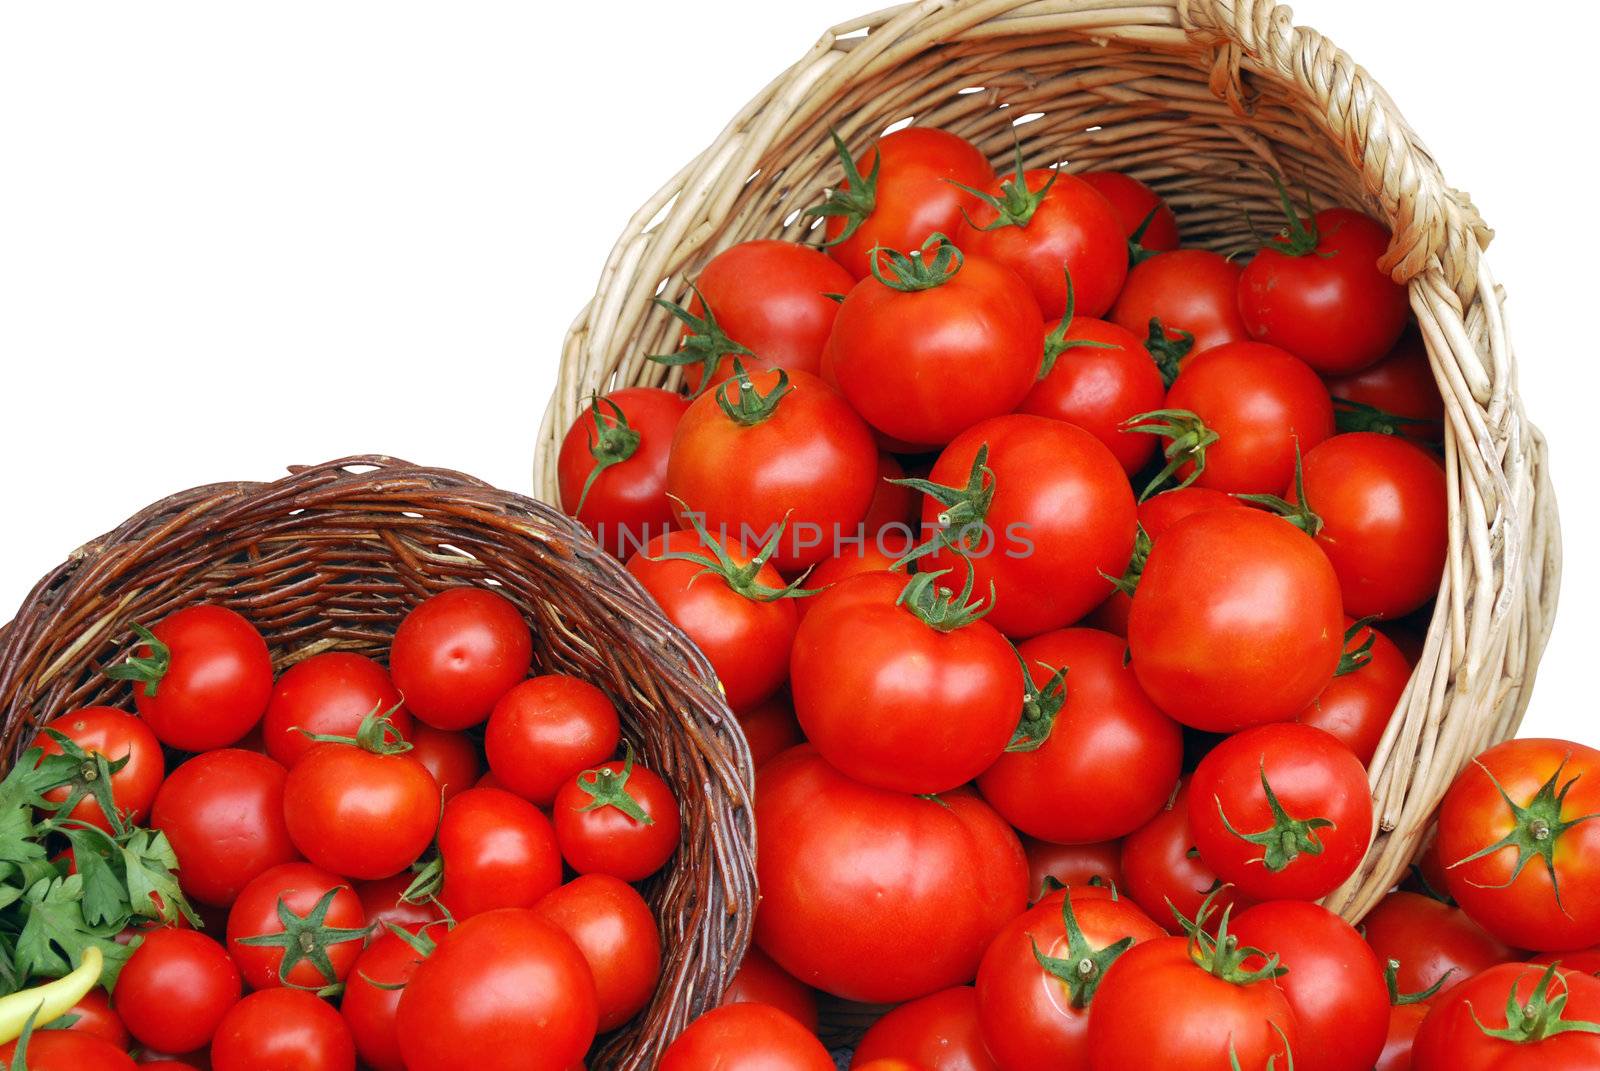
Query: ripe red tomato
{"x": 1398, "y": 395}
{"x": 283, "y": 1030}
{"x": 223, "y": 814}
{"x": 498, "y": 850}
{"x": 1586, "y": 961}
{"x": 746, "y": 1037}
{"x": 876, "y": 655}
{"x": 1073, "y": 865}
{"x": 1236, "y": 621}
{"x": 1038, "y": 979}
{"x": 1405, "y": 1020}
{"x": 770, "y": 305}
{"x": 1163, "y": 872}
{"x": 1188, "y": 290}
{"x": 1317, "y": 291}
{"x": 939, "y": 1031}
{"x": 456, "y": 653}
{"x": 904, "y": 188}
{"x": 175, "y": 989}
{"x": 775, "y": 449}
{"x": 383, "y": 906}
{"x": 451, "y": 757}
{"x": 1385, "y": 521}
{"x": 618, "y": 819}
{"x": 296, "y": 925}
{"x": 1520, "y": 848}
{"x": 1099, "y": 376}
{"x": 936, "y": 343}
{"x": 202, "y": 677}
{"x": 117, "y": 736}
{"x": 1037, "y": 222}
{"x": 546, "y": 729}
{"x": 504, "y": 991}
{"x": 1431, "y": 941}
{"x": 1047, "y": 515}
{"x": 372, "y": 996}
{"x": 328, "y": 694}
{"x": 69, "y": 1050}
{"x": 844, "y": 872}
{"x": 770, "y": 728}
{"x": 614, "y": 929}
{"x": 96, "y": 1018}
{"x": 1111, "y": 759}
{"x": 612, "y": 469}
{"x": 1515, "y": 1017}
{"x": 1334, "y": 983}
{"x": 1281, "y": 811}
{"x": 890, "y": 526}
{"x": 761, "y": 981}
{"x": 1135, "y": 204}
{"x": 737, "y": 620}
{"x": 1357, "y": 704}
{"x": 848, "y": 564}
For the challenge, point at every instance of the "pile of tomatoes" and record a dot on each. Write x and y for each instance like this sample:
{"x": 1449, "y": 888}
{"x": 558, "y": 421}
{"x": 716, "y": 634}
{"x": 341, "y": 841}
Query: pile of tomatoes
{"x": 1065, "y": 581}
{"x": 357, "y": 886}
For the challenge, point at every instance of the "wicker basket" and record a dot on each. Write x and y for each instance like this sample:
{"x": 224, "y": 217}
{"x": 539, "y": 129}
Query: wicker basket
{"x": 1200, "y": 98}
{"x": 329, "y": 558}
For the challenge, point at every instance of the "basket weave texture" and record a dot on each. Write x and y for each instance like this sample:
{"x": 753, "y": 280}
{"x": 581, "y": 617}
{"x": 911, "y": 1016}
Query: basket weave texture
{"x": 1202, "y": 99}
{"x": 330, "y": 558}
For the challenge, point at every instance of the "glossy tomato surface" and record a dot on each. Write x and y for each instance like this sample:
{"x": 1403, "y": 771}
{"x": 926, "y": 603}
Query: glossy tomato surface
{"x": 611, "y": 472}
{"x": 283, "y": 1030}
{"x": 939, "y": 1031}
{"x": 498, "y": 851}
{"x": 547, "y": 729}
{"x": 1135, "y": 203}
{"x": 616, "y": 932}
{"x": 215, "y": 683}
{"x": 117, "y": 736}
{"x": 175, "y": 989}
{"x": 455, "y": 654}
{"x": 746, "y": 1037}
{"x": 1101, "y": 379}
{"x": 1188, "y": 290}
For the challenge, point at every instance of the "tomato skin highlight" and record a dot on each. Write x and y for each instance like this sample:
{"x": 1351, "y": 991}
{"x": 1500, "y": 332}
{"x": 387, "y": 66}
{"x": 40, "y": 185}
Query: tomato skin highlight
{"x": 1431, "y": 941}
{"x": 614, "y": 929}
{"x": 1451, "y": 1039}
{"x": 545, "y": 730}
{"x": 498, "y": 850}
{"x": 70, "y": 1050}
{"x": 458, "y": 652}
{"x": 604, "y": 840}
{"x": 1356, "y": 708}
{"x": 761, "y": 981}
{"x": 298, "y": 886}
{"x": 369, "y": 1010}
{"x": 175, "y": 989}
{"x": 283, "y": 1030}
{"x": 328, "y": 694}
{"x": 1133, "y": 201}
{"x": 1163, "y": 872}
{"x": 115, "y": 735}
{"x": 1193, "y": 290}
{"x": 217, "y": 685}
{"x": 745, "y": 1037}
{"x": 627, "y": 502}
{"x": 939, "y": 1031}
{"x": 451, "y": 757}
{"x": 360, "y": 814}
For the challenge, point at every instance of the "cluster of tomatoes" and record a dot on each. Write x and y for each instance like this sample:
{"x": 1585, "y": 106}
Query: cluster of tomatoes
{"x": 1032, "y": 550}
{"x": 367, "y": 891}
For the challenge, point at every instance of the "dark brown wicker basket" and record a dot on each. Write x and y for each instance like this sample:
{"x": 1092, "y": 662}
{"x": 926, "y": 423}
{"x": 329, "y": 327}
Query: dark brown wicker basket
{"x": 329, "y": 558}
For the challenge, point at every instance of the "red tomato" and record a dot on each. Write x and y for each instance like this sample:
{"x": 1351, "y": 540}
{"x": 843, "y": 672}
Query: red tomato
{"x": 505, "y": 991}
{"x": 1384, "y": 520}
{"x": 1236, "y": 621}
{"x": 1038, "y": 222}
{"x": 618, "y": 819}
{"x": 1317, "y": 291}
{"x": 889, "y": 1065}
{"x": 117, "y": 736}
{"x": 383, "y": 906}
{"x": 498, "y": 850}
{"x": 372, "y": 996}
{"x": 1405, "y": 1020}
{"x": 202, "y": 677}
{"x": 737, "y": 621}
{"x": 223, "y": 813}
{"x": 451, "y": 757}
{"x": 1281, "y": 811}
{"x": 1189, "y": 290}
{"x": 775, "y": 449}
{"x": 1397, "y": 396}
{"x": 903, "y": 189}
{"x": 936, "y": 343}
{"x": 1060, "y": 520}
{"x": 329, "y": 694}
{"x": 614, "y": 929}
{"x": 1546, "y": 1020}
{"x": 296, "y": 925}
{"x": 612, "y": 469}
{"x": 890, "y": 526}
{"x": 1357, "y": 704}
{"x": 770, "y": 305}
{"x": 1099, "y": 377}
{"x": 95, "y": 1017}
{"x": 1334, "y": 983}
{"x": 745, "y": 1037}
{"x": 876, "y": 655}
{"x": 1037, "y": 981}
{"x": 175, "y": 989}
{"x": 456, "y": 653}
{"x": 1431, "y": 941}
{"x": 283, "y": 1030}
{"x": 939, "y": 1031}
{"x": 1163, "y": 872}
{"x": 1072, "y": 865}
{"x": 69, "y": 1050}
{"x": 546, "y": 729}
{"x": 848, "y": 564}
{"x": 1134, "y": 203}
{"x": 761, "y": 981}
{"x": 770, "y": 728}
{"x": 1111, "y": 759}
{"x": 845, "y": 876}
{"x": 1586, "y": 961}
{"x": 1520, "y": 846}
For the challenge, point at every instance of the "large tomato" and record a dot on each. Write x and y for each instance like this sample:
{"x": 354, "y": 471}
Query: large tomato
{"x": 935, "y": 343}
{"x": 1431, "y": 942}
{"x": 761, "y": 981}
{"x": 1072, "y": 865}
{"x": 451, "y": 757}
{"x": 1163, "y": 872}
{"x": 1396, "y": 396}
{"x": 1515, "y": 1017}
{"x": 175, "y": 989}
{"x": 504, "y": 991}
{"x": 283, "y": 1030}
{"x": 223, "y": 814}
{"x": 371, "y": 997}
{"x": 1236, "y": 621}
{"x": 70, "y": 1050}
{"x": 1042, "y": 510}
{"x": 612, "y": 469}
{"x": 775, "y": 449}
{"x": 328, "y": 694}
{"x": 1193, "y": 292}
{"x": 899, "y": 684}
{"x": 854, "y": 878}
{"x": 455, "y": 654}
{"x": 745, "y": 1037}
{"x": 497, "y": 850}
{"x": 903, "y": 189}
{"x": 619, "y": 819}
{"x": 1144, "y": 216}
{"x": 1111, "y": 758}
{"x": 296, "y": 925}
{"x": 614, "y": 929}
{"x": 202, "y": 677}
{"x": 117, "y": 736}
{"x": 545, "y": 730}
{"x": 1357, "y": 704}
{"x": 1521, "y": 845}
{"x": 1317, "y": 291}
{"x": 939, "y": 1032}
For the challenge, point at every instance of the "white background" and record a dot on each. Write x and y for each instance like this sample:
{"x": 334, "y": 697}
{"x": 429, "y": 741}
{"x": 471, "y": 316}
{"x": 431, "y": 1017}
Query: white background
{"x": 236, "y": 236}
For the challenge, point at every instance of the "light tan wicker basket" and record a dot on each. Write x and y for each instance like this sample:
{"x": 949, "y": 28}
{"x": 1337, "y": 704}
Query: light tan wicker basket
{"x": 1200, "y": 98}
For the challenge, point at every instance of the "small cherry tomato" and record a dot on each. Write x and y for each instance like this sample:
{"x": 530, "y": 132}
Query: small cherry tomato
{"x": 619, "y": 819}
{"x": 1192, "y": 292}
{"x": 283, "y": 1030}
{"x": 117, "y": 736}
{"x": 1515, "y": 1017}
{"x": 761, "y": 981}
{"x": 175, "y": 989}
{"x": 617, "y": 933}
{"x": 612, "y": 468}
{"x": 296, "y": 925}
{"x": 1433, "y": 942}
{"x": 746, "y": 1037}
{"x": 451, "y": 757}
{"x": 96, "y": 1018}
{"x": 383, "y": 904}
{"x": 330, "y": 694}
{"x": 545, "y": 730}
{"x": 1135, "y": 203}
{"x": 497, "y": 850}
{"x": 68, "y": 1050}
{"x": 455, "y": 654}
{"x": 1072, "y": 865}
{"x": 372, "y": 995}
{"x": 1357, "y": 704}
{"x": 770, "y": 728}
{"x": 1163, "y": 873}
{"x": 939, "y": 1031}
{"x": 1396, "y": 396}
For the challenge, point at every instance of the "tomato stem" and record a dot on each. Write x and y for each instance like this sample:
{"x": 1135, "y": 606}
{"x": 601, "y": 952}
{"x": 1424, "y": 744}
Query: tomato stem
{"x": 614, "y": 442}
{"x": 752, "y": 407}
{"x": 854, "y": 200}
{"x": 965, "y": 507}
{"x": 1299, "y": 234}
{"x": 1352, "y": 660}
{"x": 1299, "y": 512}
{"x": 1187, "y": 437}
{"x": 944, "y": 608}
{"x": 1167, "y": 348}
{"x": 1016, "y": 204}
{"x": 742, "y": 579}
{"x": 1137, "y": 252}
{"x": 307, "y": 938}
{"x": 1358, "y": 416}
{"x": 1082, "y": 968}
{"x": 1128, "y": 582}
{"x": 1397, "y": 999}
{"x": 936, "y": 263}
{"x": 91, "y": 779}
{"x": 1222, "y": 956}
{"x": 1040, "y": 706}
{"x": 1287, "y": 839}
{"x": 705, "y": 345}
{"x": 144, "y": 669}
{"x": 609, "y": 788}
{"x": 1538, "y": 1019}
{"x": 1056, "y": 342}
{"x": 376, "y": 733}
